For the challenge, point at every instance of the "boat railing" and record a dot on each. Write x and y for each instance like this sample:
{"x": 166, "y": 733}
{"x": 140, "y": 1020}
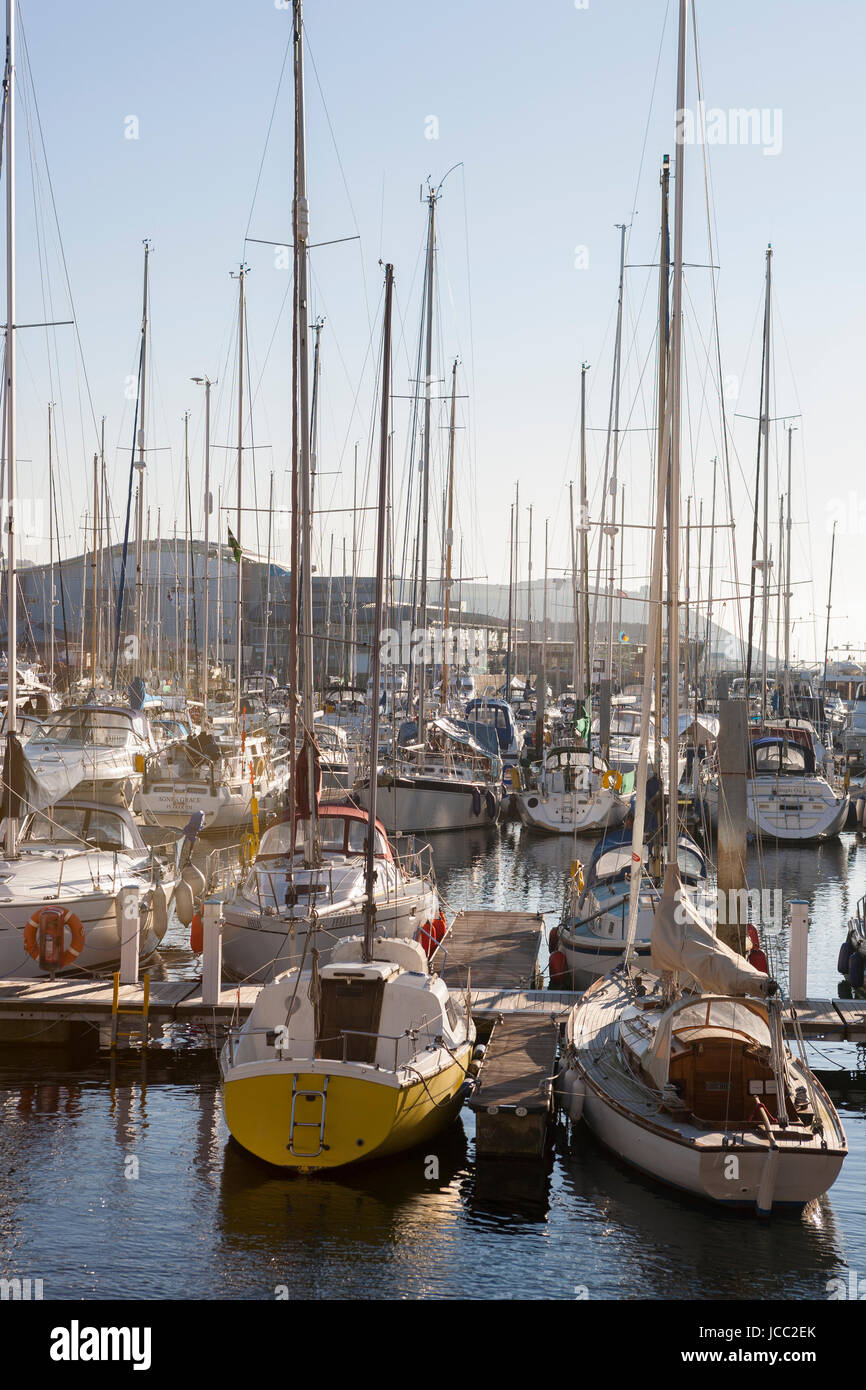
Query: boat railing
{"x": 274, "y": 1038}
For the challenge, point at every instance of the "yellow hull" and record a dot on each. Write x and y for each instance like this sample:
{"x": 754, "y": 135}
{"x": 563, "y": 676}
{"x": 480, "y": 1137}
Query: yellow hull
{"x": 364, "y": 1117}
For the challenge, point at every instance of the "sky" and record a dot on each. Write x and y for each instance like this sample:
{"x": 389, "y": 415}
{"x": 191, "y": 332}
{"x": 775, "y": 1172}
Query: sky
{"x": 173, "y": 123}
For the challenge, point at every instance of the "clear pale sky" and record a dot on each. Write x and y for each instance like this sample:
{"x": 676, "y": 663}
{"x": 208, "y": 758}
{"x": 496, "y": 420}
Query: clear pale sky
{"x": 559, "y": 119}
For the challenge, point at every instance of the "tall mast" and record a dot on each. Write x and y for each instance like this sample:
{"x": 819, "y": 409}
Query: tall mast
{"x": 11, "y": 583}
{"x": 449, "y": 540}
{"x": 241, "y": 278}
{"x": 187, "y": 573}
{"x": 369, "y": 877}
{"x": 707, "y": 660}
{"x": 663, "y": 462}
{"x": 140, "y": 466}
{"x": 765, "y": 426}
{"x": 207, "y": 383}
{"x": 50, "y": 550}
{"x": 529, "y": 613}
{"x": 674, "y": 511}
{"x": 94, "y": 637}
{"x": 829, "y": 606}
{"x": 425, "y": 506}
{"x": 158, "y": 591}
{"x": 268, "y": 582}
{"x": 786, "y": 571}
{"x": 586, "y": 679}
{"x": 541, "y": 701}
{"x": 611, "y": 530}
{"x": 302, "y": 233}
{"x": 353, "y": 637}
{"x": 314, "y": 438}
{"x": 510, "y": 604}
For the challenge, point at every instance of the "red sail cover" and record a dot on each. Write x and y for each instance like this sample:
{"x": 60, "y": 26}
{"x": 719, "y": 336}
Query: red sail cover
{"x": 302, "y": 791}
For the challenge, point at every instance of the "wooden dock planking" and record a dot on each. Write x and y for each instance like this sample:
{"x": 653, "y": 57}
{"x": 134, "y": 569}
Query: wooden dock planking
{"x": 493, "y": 950}
{"x": 513, "y": 1101}
{"x": 817, "y": 1018}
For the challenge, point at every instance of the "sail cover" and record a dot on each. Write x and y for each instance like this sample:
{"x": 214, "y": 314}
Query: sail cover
{"x": 682, "y": 941}
{"x": 24, "y": 790}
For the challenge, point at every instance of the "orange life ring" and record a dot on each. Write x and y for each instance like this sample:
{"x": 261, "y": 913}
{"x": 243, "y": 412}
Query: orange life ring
{"x": 70, "y": 920}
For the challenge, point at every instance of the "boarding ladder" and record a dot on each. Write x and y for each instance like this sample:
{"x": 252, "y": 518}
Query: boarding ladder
{"x": 303, "y": 1093}
{"x": 139, "y": 1012}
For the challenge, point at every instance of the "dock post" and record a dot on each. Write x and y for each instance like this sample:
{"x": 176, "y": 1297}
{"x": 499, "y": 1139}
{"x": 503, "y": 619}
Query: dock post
{"x": 126, "y": 910}
{"x": 212, "y": 954}
{"x": 798, "y": 950}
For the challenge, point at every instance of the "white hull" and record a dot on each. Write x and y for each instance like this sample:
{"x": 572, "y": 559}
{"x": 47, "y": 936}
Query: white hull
{"x": 780, "y": 809}
{"x": 256, "y": 948}
{"x": 100, "y": 921}
{"x": 171, "y": 804}
{"x": 428, "y": 804}
{"x": 564, "y": 813}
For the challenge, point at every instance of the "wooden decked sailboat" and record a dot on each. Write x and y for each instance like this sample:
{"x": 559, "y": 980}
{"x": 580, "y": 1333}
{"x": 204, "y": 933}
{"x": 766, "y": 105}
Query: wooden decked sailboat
{"x": 683, "y": 1071}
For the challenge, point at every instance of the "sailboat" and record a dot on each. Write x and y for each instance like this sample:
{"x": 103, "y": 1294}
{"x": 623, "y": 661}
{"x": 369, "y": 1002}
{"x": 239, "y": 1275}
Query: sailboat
{"x": 790, "y": 801}
{"x": 367, "y": 1055}
{"x": 683, "y": 1071}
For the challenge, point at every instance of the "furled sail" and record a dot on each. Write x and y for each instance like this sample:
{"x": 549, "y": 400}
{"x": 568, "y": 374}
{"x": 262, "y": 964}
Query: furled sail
{"x": 27, "y": 789}
{"x": 682, "y": 941}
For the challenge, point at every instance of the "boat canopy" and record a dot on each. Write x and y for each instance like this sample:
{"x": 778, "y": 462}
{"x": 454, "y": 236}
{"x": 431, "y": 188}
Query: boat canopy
{"x": 693, "y": 1020}
{"x": 785, "y": 755}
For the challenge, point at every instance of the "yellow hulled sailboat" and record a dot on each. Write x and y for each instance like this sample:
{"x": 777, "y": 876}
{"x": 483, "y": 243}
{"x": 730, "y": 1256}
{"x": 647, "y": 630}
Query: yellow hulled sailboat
{"x": 358, "y": 1060}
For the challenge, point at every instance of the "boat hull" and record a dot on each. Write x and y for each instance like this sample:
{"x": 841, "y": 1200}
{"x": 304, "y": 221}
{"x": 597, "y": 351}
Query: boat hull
{"x": 256, "y": 947}
{"x": 366, "y": 1115}
{"x": 422, "y": 805}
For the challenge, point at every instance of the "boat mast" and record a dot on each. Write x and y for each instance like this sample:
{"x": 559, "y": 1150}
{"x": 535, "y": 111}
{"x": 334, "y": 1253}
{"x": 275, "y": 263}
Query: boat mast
{"x": 241, "y": 279}
{"x": 94, "y": 562}
{"x": 449, "y": 540}
{"x": 664, "y": 330}
{"x": 674, "y": 513}
{"x": 425, "y": 505}
{"x": 765, "y": 427}
{"x": 302, "y": 232}
{"x": 140, "y": 466}
{"x": 11, "y": 846}
{"x": 268, "y": 583}
{"x": 829, "y": 606}
{"x": 586, "y": 681}
{"x": 510, "y": 605}
{"x": 50, "y": 551}
{"x": 186, "y": 575}
{"x": 611, "y": 530}
{"x": 369, "y": 875}
{"x": 158, "y": 590}
{"x": 787, "y": 574}
{"x": 207, "y": 383}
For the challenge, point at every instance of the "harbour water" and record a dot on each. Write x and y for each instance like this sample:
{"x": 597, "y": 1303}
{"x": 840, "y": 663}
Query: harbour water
{"x": 119, "y": 1180}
